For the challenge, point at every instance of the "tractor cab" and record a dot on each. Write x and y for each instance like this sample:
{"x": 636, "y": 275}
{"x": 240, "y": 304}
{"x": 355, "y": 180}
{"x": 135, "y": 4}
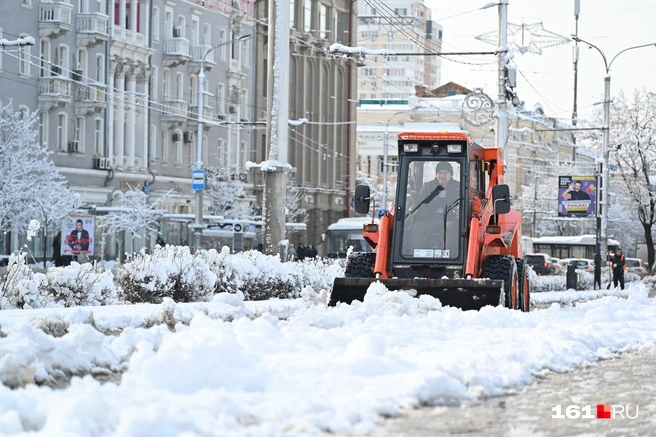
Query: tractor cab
{"x": 428, "y": 238}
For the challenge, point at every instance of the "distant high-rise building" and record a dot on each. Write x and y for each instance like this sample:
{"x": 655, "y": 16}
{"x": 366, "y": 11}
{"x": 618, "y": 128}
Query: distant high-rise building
{"x": 404, "y": 27}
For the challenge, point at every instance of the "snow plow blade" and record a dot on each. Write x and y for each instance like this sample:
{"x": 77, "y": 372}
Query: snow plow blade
{"x": 459, "y": 293}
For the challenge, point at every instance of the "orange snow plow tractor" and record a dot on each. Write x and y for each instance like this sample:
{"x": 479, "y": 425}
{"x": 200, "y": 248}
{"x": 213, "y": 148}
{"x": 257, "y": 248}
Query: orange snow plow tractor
{"x": 451, "y": 232}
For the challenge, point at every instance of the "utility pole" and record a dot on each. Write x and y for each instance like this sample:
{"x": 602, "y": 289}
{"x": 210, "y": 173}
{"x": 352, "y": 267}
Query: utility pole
{"x": 575, "y": 57}
{"x": 276, "y": 168}
{"x": 501, "y": 124}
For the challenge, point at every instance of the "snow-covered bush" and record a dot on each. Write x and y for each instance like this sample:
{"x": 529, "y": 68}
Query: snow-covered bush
{"x": 259, "y": 276}
{"x": 171, "y": 271}
{"x": 253, "y": 273}
{"x": 22, "y": 288}
{"x": 81, "y": 285}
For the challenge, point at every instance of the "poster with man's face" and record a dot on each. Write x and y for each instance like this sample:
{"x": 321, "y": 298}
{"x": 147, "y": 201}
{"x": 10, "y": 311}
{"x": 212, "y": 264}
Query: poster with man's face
{"x": 576, "y": 196}
{"x": 78, "y": 235}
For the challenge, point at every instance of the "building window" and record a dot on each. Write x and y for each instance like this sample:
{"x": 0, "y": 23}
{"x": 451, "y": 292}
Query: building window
{"x": 166, "y": 75}
{"x": 79, "y": 132}
{"x": 178, "y": 148}
{"x": 193, "y": 91}
{"x": 43, "y": 127}
{"x": 307, "y": 16}
{"x": 179, "y": 80}
{"x": 220, "y": 99}
{"x": 44, "y": 58}
{"x": 155, "y": 24}
{"x": 152, "y": 92}
{"x": 61, "y": 132}
{"x": 222, "y": 45}
{"x": 82, "y": 64}
{"x": 245, "y": 50}
{"x": 98, "y": 137}
{"x": 100, "y": 69}
{"x": 324, "y": 20}
{"x": 24, "y": 59}
{"x": 165, "y": 146}
{"x": 152, "y": 141}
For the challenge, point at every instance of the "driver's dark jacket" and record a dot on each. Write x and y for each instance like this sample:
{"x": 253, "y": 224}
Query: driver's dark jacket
{"x": 444, "y": 198}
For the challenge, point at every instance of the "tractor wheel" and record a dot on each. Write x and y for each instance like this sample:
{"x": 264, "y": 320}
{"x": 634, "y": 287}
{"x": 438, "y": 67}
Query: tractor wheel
{"x": 360, "y": 265}
{"x": 503, "y": 267}
{"x": 523, "y": 290}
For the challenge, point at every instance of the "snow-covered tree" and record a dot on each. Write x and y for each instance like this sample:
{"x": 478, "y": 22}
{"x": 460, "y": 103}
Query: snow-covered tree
{"x": 539, "y": 201}
{"x": 633, "y": 125}
{"x": 227, "y": 194}
{"x": 133, "y": 215}
{"x": 30, "y": 185}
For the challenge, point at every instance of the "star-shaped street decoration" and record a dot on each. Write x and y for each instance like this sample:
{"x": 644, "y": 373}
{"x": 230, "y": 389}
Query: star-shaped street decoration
{"x": 524, "y": 38}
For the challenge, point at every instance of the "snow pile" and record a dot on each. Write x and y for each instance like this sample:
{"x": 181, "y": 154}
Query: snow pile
{"x": 320, "y": 369}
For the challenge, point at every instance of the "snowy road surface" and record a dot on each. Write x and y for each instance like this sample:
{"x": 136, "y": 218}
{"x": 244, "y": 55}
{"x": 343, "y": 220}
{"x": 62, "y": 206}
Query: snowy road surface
{"x": 290, "y": 368}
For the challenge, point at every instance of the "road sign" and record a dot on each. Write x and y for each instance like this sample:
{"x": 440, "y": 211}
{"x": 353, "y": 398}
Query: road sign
{"x": 198, "y": 180}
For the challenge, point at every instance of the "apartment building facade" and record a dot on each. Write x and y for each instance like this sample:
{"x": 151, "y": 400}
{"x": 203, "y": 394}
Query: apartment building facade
{"x": 115, "y": 85}
{"x": 404, "y": 27}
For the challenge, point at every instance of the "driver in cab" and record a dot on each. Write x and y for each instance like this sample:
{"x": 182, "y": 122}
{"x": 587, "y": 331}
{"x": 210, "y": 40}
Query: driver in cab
{"x": 440, "y": 192}
{"x": 428, "y": 213}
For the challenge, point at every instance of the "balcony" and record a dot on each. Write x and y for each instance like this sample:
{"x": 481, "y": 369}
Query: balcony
{"x": 175, "y": 111}
{"x": 208, "y": 114}
{"x": 92, "y": 29}
{"x": 54, "y": 92}
{"x": 55, "y": 19}
{"x": 90, "y": 98}
{"x": 235, "y": 70}
{"x": 176, "y": 51}
{"x": 197, "y": 53}
{"x": 130, "y": 39}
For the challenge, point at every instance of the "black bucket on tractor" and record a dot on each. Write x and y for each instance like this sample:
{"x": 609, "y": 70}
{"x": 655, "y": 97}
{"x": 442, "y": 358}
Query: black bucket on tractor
{"x": 460, "y": 293}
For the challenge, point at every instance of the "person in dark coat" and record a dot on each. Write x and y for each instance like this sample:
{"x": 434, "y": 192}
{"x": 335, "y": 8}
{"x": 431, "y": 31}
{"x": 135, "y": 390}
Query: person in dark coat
{"x": 56, "y": 250}
{"x": 300, "y": 252}
{"x": 619, "y": 265}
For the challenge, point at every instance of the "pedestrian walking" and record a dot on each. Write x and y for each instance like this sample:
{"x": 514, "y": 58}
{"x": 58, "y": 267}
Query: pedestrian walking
{"x": 619, "y": 265}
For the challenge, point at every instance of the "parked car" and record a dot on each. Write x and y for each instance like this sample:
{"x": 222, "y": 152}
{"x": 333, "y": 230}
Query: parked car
{"x": 558, "y": 267}
{"x": 541, "y": 263}
{"x": 581, "y": 263}
{"x": 637, "y": 266}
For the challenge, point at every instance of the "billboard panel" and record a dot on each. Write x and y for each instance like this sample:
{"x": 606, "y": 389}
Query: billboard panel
{"x": 78, "y": 234}
{"x": 576, "y": 196}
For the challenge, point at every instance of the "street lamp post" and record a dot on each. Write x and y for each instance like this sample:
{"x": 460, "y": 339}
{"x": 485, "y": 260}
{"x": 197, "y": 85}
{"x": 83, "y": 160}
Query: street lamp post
{"x": 602, "y": 223}
{"x": 198, "y": 225}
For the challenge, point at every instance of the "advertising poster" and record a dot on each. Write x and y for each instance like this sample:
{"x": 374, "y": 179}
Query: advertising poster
{"x": 77, "y": 235}
{"x": 576, "y": 196}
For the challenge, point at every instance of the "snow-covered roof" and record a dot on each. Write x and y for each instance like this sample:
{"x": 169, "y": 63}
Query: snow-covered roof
{"x": 586, "y": 240}
{"x": 350, "y": 223}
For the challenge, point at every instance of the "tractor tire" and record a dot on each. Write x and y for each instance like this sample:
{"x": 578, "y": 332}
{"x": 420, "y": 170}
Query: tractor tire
{"x": 523, "y": 289}
{"x": 503, "y": 267}
{"x": 360, "y": 265}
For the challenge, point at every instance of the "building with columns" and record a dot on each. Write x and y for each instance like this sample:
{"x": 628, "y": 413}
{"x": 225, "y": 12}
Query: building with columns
{"x": 115, "y": 85}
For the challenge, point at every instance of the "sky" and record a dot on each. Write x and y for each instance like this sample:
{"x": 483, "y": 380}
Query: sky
{"x": 293, "y": 367}
{"x": 548, "y": 79}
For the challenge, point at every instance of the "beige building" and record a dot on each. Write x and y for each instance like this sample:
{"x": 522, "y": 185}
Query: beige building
{"x": 535, "y": 144}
